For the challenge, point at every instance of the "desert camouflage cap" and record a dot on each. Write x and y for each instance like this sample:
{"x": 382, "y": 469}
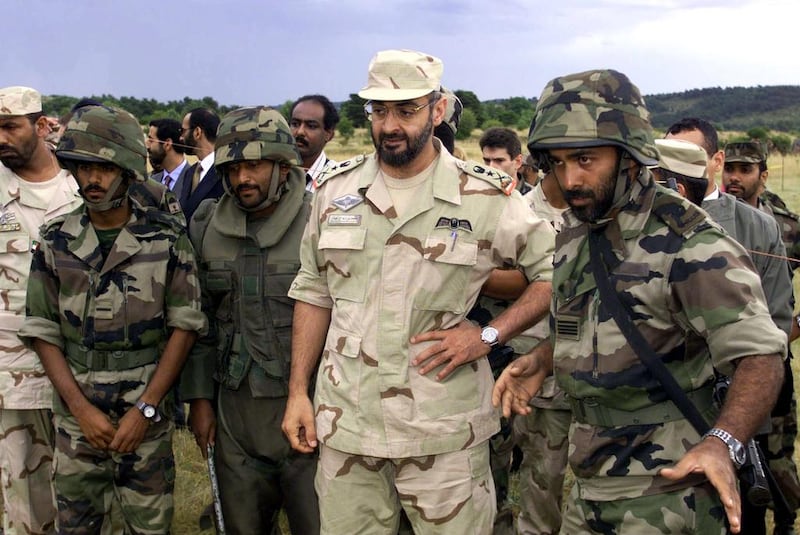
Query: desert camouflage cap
{"x": 104, "y": 134}
{"x": 452, "y": 115}
{"x": 593, "y": 108}
{"x": 682, "y": 157}
{"x": 402, "y": 75}
{"x": 255, "y": 133}
{"x": 19, "y": 100}
{"x": 745, "y": 152}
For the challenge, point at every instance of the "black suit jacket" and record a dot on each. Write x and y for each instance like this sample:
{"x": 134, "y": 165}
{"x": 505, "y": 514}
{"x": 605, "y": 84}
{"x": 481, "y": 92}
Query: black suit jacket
{"x": 208, "y": 188}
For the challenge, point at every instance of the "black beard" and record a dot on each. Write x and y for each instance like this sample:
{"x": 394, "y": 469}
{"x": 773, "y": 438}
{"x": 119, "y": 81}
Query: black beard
{"x": 415, "y": 146}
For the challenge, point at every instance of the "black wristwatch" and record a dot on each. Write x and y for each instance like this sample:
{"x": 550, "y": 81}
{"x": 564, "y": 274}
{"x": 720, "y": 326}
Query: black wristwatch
{"x": 490, "y": 336}
{"x": 735, "y": 448}
{"x": 149, "y": 411}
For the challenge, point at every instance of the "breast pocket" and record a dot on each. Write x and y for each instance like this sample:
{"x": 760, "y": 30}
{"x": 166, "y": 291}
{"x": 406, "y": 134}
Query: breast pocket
{"x": 444, "y": 274}
{"x": 343, "y": 252}
{"x": 16, "y": 263}
{"x": 278, "y": 279}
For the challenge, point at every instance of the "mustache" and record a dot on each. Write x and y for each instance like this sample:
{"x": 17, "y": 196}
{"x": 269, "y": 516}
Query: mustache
{"x": 7, "y": 148}
{"x": 391, "y": 137}
{"x": 93, "y": 187}
{"x": 575, "y": 194}
{"x": 243, "y": 187}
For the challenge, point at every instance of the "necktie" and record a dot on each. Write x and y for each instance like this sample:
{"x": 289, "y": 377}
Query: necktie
{"x": 196, "y": 176}
{"x": 168, "y": 180}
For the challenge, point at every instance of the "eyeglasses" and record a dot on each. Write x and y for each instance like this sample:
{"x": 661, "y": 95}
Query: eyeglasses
{"x": 184, "y": 130}
{"x": 403, "y": 112}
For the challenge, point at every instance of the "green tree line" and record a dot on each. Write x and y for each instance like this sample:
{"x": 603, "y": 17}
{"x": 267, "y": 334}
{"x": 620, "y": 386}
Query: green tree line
{"x": 775, "y": 108}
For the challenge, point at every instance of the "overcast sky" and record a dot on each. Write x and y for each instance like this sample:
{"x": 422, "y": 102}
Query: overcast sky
{"x": 252, "y": 52}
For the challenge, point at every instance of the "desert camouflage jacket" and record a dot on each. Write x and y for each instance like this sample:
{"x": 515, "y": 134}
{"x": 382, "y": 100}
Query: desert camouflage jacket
{"x": 23, "y": 382}
{"x": 146, "y": 285}
{"x": 387, "y": 278}
{"x": 696, "y": 300}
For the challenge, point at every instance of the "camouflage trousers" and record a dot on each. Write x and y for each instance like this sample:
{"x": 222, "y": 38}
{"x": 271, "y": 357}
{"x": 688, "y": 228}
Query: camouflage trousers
{"x": 90, "y": 484}
{"x": 694, "y": 510}
{"x": 442, "y": 494}
{"x": 257, "y": 470}
{"x": 543, "y": 438}
{"x": 26, "y": 456}
{"x": 501, "y": 447}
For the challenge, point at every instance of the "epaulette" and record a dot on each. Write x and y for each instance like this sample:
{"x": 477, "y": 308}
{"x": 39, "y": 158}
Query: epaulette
{"x": 164, "y": 219}
{"x": 52, "y": 225}
{"x": 495, "y": 177}
{"x": 680, "y": 215}
{"x": 337, "y": 169}
{"x": 777, "y": 205}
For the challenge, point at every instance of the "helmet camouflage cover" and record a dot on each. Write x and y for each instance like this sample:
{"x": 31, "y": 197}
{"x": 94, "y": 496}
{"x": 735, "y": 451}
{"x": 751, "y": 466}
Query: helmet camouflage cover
{"x": 593, "y": 108}
{"x": 256, "y": 133}
{"x": 452, "y": 115}
{"x": 104, "y": 134}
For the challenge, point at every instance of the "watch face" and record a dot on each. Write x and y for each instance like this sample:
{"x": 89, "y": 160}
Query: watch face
{"x": 738, "y": 455}
{"x": 149, "y": 411}
{"x": 489, "y": 335}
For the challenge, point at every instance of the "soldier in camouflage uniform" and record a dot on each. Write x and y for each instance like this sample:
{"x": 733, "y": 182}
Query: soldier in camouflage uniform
{"x": 396, "y": 250}
{"x": 745, "y": 176}
{"x": 33, "y": 189}
{"x": 640, "y": 466}
{"x": 248, "y": 248}
{"x": 113, "y": 306}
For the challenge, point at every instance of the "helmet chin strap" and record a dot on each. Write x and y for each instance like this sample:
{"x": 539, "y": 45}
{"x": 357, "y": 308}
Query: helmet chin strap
{"x": 622, "y": 187}
{"x": 108, "y": 202}
{"x": 274, "y": 194}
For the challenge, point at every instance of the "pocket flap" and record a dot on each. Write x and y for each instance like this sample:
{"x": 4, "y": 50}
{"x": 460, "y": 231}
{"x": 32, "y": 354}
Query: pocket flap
{"x": 343, "y": 343}
{"x": 460, "y": 252}
{"x": 343, "y": 238}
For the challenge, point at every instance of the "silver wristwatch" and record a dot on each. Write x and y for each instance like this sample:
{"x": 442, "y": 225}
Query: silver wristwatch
{"x": 735, "y": 448}
{"x": 490, "y": 336}
{"x": 149, "y": 411}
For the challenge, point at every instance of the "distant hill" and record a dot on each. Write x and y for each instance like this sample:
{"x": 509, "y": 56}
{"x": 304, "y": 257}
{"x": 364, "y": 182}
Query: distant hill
{"x": 731, "y": 108}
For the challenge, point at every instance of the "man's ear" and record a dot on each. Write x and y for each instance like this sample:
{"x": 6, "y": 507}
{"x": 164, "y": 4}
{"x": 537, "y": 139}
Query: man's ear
{"x": 439, "y": 109}
{"x": 681, "y": 189}
{"x": 763, "y": 178}
{"x": 42, "y": 126}
{"x": 716, "y": 163}
{"x": 329, "y": 134}
{"x": 166, "y": 144}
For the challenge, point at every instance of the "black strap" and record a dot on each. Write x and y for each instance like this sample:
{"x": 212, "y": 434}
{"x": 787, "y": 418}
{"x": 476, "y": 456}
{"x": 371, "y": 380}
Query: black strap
{"x": 611, "y": 302}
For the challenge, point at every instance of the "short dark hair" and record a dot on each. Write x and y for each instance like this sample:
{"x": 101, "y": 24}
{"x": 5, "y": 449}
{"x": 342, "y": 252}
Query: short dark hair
{"x": 168, "y": 129}
{"x": 710, "y": 138}
{"x": 207, "y": 120}
{"x": 502, "y": 138}
{"x": 330, "y": 116}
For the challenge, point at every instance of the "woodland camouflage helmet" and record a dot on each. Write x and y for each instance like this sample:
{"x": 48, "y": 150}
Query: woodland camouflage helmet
{"x": 104, "y": 134}
{"x": 256, "y": 133}
{"x": 593, "y": 108}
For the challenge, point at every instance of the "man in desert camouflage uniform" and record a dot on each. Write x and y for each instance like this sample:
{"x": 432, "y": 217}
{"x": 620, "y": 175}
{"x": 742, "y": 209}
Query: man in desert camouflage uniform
{"x": 396, "y": 250}
{"x": 640, "y": 466}
{"x": 33, "y": 189}
{"x": 745, "y": 176}
{"x": 248, "y": 249}
{"x": 113, "y": 306}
